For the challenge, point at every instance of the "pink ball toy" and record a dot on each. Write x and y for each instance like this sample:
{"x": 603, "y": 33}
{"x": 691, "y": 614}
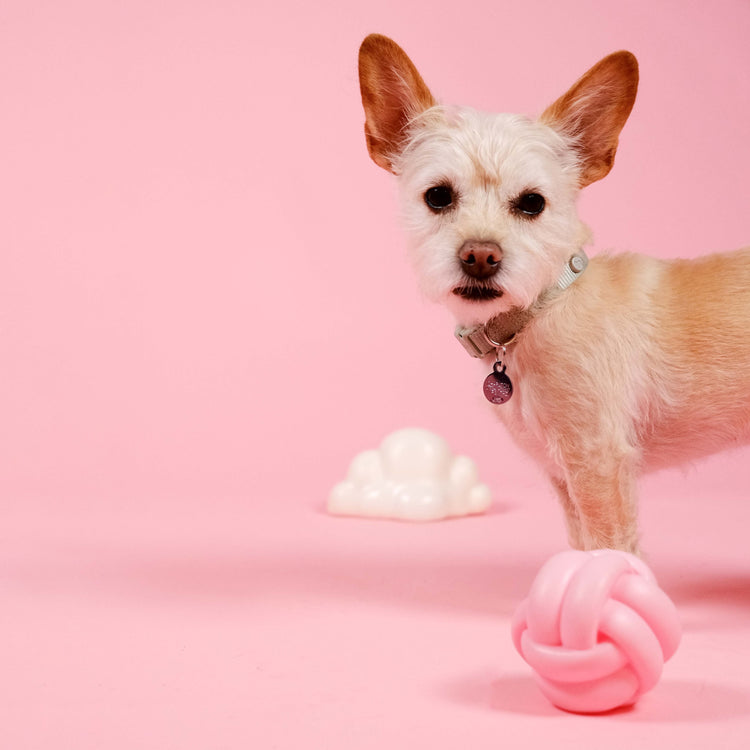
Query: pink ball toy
{"x": 596, "y": 629}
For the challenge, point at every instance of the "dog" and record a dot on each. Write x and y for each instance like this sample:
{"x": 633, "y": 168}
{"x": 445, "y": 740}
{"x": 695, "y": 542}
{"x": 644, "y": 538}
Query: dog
{"x": 600, "y": 370}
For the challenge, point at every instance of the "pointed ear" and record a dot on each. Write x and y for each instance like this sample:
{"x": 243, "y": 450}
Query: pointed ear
{"x": 393, "y": 93}
{"x": 594, "y": 111}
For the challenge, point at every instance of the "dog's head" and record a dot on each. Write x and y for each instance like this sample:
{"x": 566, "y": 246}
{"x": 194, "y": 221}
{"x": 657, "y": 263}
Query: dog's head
{"x": 489, "y": 200}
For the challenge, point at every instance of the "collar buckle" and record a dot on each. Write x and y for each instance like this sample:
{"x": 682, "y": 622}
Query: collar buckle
{"x": 475, "y": 341}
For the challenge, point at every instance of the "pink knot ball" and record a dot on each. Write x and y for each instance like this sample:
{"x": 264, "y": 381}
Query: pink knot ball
{"x": 596, "y": 629}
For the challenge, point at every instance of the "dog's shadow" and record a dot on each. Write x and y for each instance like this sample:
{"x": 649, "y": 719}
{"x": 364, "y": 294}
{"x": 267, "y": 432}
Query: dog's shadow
{"x": 709, "y": 600}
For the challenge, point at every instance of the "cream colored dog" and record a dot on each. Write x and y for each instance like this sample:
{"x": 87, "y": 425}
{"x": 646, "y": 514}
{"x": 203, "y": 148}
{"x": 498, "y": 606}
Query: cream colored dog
{"x": 623, "y": 365}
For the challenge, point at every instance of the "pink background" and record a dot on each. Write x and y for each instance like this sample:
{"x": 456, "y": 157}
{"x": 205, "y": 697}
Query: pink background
{"x": 206, "y": 311}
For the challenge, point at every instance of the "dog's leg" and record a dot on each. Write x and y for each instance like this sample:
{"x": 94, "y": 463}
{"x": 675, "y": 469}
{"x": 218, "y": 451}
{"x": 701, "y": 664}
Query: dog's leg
{"x": 601, "y": 502}
{"x": 572, "y": 519}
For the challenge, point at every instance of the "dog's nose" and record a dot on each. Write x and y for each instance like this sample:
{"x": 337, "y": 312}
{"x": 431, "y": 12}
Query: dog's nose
{"x": 480, "y": 260}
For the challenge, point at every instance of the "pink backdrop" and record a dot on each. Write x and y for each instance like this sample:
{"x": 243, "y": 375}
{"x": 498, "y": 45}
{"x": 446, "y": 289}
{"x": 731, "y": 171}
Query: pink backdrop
{"x": 203, "y": 281}
{"x": 206, "y": 311}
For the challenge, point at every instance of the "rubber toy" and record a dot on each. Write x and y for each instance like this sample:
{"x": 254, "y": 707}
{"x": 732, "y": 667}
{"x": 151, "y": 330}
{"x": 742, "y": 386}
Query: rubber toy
{"x": 596, "y": 629}
{"x": 412, "y": 476}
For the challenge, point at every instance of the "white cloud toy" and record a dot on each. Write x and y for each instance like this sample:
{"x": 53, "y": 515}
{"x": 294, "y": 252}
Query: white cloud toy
{"x": 412, "y": 476}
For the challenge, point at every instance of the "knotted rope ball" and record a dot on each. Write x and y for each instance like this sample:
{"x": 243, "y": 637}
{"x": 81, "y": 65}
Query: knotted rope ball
{"x": 596, "y": 629}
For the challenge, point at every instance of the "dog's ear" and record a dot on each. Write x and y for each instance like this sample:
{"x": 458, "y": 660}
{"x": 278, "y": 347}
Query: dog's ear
{"x": 393, "y": 93}
{"x": 594, "y": 111}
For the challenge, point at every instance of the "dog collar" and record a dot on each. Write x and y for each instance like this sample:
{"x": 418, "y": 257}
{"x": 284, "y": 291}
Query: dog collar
{"x": 500, "y": 331}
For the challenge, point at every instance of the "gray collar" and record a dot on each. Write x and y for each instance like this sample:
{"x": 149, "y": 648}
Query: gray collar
{"x": 500, "y": 331}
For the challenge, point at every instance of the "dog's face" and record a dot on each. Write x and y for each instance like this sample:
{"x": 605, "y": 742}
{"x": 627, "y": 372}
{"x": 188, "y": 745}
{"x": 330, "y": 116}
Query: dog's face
{"x": 489, "y": 201}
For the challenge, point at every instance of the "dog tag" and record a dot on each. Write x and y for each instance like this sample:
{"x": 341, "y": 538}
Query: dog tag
{"x": 497, "y": 386}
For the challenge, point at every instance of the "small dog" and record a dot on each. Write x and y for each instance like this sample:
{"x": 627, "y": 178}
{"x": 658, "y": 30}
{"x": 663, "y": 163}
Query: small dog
{"x": 616, "y": 366}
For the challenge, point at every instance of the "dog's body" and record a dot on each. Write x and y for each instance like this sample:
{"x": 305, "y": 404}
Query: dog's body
{"x": 639, "y": 364}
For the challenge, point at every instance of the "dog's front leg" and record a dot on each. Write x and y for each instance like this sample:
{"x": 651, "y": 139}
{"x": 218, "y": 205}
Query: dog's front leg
{"x": 598, "y": 497}
{"x": 572, "y": 519}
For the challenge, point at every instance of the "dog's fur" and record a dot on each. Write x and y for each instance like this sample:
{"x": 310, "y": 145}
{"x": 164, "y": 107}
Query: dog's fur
{"x": 641, "y": 363}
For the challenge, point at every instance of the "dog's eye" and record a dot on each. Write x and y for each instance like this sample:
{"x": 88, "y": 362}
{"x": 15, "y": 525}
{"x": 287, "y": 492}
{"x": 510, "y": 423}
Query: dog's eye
{"x": 439, "y": 197}
{"x": 530, "y": 204}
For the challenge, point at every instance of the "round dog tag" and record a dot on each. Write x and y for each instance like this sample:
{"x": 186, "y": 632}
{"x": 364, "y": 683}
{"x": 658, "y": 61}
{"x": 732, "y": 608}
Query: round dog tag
{"x": 497, "y": 386}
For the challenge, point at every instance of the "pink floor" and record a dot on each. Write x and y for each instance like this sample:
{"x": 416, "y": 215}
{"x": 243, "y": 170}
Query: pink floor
{"x": 281, "y": 627}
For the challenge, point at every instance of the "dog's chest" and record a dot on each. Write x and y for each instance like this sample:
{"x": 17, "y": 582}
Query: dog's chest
{"x": 522, "y": 417}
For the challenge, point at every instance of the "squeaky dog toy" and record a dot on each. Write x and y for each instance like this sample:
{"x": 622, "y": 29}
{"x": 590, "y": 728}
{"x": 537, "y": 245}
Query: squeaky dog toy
{"x": 596, "y": 629}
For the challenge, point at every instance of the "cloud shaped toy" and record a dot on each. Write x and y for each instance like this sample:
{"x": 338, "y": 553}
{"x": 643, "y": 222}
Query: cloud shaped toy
{"x": 412, "y": 476}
